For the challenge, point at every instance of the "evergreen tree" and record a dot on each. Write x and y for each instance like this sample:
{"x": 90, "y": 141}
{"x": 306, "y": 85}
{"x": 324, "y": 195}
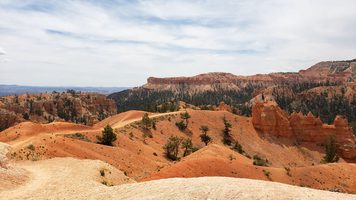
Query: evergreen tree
{"x": 330, "y": 150}
{"x": 204, "y": 136}
{"x": 227, "y": 139}
{"x": 108, "y": 136}
{"x": 187, "y": 145}
{"x": 171, "y": 148}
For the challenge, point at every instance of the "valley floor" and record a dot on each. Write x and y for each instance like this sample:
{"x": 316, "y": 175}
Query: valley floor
{"x": 47, "y": 164}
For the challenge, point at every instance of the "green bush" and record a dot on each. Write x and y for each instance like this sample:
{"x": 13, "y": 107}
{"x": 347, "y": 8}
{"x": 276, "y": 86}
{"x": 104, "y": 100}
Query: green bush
{"x": 181, "y": 125}
{"x": 108, "y": 136}
{"x": 330, "y": 150}
{"x": 204, "y": 136}
{"x": 227, "y": 139}
{"x": 171, "y": 147}
{"x": 147, "y": 123}
{"x": 187, "y": 145}
{"x": 238, "y": 148}
{"x": 267, "y": 173}
{"x": 78, "y": 136}
{"x": 259, "y": 161}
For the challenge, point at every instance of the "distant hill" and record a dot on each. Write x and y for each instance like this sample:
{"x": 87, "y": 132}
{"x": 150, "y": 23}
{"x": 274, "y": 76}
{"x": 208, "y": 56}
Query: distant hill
{"x": 6, "y": 90}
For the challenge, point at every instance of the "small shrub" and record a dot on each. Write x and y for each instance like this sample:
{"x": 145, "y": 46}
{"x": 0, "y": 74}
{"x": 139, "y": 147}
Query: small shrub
{"x": 231, "y": 157}
{"x": 259, "y": 161}
{"x": 187, "y": 145}
{"x": 204, "y": 136}
{"x": 330, "y": 150}
{"x": 31, "y": 147}
{"x": 131, "y": 135}
{"x": 102, "y": 172}
{"x": 227, "y": 139}
{"x": 147, "y": 123}
{"x": 107, "y": 137}
{"x": 287, "y": 171}
{"x": 172, "y": 147}
{"x": 181, "y": 125}
{"x": 267, "y": 173}
{"x": 238, "y": 148}
{"x": 78, "y": 136}
{"x": 104, "y": 182}
{"x": 194, "y": 149}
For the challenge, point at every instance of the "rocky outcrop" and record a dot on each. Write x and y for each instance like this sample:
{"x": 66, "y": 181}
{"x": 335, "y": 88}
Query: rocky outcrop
{"x": 269, "y": 119}
{"x": 85, "y": 108}
{"x": 4, "y": 154}
{"x": 332, "y": 70}
{"x": 224, "y": 107}
{"x": 8, "y": 118}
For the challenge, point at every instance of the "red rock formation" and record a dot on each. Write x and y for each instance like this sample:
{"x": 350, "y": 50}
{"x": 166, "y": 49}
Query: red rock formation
{"x": 330, "y": 70}
{"x": 79, "y": 107}
{"x": 269, "y": 119}
{"x": 223, "y": 107}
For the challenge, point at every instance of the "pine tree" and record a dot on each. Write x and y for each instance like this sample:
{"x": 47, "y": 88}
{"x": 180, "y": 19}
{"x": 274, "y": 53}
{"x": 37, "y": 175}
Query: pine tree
{"x": 204, "y": 136}
{"x": 108, "y": 136}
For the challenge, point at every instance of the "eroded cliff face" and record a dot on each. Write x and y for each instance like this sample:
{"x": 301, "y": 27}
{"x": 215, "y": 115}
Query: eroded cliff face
{"x": 84, "y": 108}
{"x": 269, "y": 119}
{"x": 344, "y": 71}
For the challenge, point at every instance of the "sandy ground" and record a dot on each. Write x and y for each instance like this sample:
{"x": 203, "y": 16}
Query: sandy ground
{"x": 65, "y": 178}
{"x": 68, "y": 178}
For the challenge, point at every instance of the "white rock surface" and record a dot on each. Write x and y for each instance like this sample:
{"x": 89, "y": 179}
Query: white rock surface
{"x": 68, "y": 178}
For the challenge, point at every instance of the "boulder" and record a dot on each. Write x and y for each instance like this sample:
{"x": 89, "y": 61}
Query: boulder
{"x": 4, "y": 154}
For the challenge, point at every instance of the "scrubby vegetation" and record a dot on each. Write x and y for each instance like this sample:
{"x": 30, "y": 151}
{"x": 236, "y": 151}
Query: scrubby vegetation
{"x": 330, "y": 150}
{"x": 238, "y": 148}
{"x": 227, "y": 139}
{"x": 204, "y": 136}
{"x": 31, "y": 147}
{"x": 259, "y": 161}
{"x": 162, "y": 101}
{"x": 78, "y": 136}
{"x": 108, "y": 136}
{"x": 183, "y": 124}
{"x": 171, "y": 147}
{"x": 147, "y": 123}
{"x": 288, "y": 171}
{"x": 267, "y": 173}
{"x": 187, "y": 145}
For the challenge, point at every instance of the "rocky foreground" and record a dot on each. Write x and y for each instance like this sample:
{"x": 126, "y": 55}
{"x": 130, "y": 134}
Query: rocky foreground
{"x": 69, "y": 178}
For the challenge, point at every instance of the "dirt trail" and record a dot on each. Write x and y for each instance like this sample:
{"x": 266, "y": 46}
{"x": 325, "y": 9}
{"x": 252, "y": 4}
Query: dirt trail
{"x": 125, "y": 122}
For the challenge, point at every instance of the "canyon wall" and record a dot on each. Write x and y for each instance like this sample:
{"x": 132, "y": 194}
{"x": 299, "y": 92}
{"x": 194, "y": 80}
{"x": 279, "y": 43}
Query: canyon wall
{"x": 84, "y": 108}
{"x": 269, "y": 119}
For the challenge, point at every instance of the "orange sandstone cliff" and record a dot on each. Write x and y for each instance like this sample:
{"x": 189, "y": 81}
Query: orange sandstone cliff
{"x": 269, "y": 119}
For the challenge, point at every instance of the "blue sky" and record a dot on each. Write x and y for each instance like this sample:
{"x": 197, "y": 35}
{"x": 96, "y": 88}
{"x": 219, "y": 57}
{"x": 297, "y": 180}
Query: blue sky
{"x": 121, "y": 43}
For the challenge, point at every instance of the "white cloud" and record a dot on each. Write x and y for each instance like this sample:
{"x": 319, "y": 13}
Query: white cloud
{"x": 2, "y": 52}
{"x": 107, "y": 44}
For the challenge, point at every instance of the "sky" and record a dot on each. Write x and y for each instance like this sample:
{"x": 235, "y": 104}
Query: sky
{"x": 122, "y": 43}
